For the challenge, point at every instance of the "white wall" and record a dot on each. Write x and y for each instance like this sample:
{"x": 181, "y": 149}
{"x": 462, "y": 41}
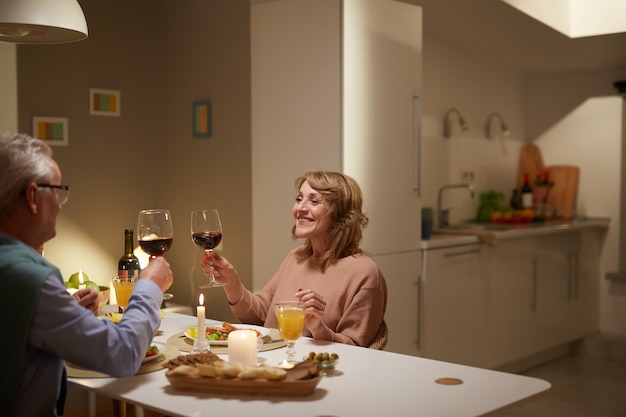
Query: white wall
{"x": 476, "y": 88}
{"x": 8, "y": 88}
{"x": 596, "y": 148}
{"x": 581, "y": 124}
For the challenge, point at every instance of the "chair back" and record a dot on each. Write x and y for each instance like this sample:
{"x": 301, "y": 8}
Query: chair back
{"x": 380, "y": 340}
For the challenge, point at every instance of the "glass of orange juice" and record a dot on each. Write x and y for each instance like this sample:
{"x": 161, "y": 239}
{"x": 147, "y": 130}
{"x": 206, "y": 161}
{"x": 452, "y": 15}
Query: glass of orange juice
{"x": 290, "y": 317}
{"x": 123, "y": 290}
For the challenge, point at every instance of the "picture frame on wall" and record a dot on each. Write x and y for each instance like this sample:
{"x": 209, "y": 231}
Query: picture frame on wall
{"x": 52, "y": 130}
{"x": 201, "y": 120}
{"x": 104, "y": 102}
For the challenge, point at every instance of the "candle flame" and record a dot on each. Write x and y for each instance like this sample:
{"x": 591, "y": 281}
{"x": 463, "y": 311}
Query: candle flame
{"x": 201, "y": 300}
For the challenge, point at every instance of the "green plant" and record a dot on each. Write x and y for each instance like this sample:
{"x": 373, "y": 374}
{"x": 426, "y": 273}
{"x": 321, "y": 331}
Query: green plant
{"x": 489, "y": 202}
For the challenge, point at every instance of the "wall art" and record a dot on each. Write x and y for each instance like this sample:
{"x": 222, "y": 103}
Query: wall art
{"x": 201, "y": 110}
{"x": 53, "y": 130}
{"x": 104, "y": 102}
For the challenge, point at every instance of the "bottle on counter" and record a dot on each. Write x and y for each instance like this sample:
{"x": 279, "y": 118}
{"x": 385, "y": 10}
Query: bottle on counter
{"x": 515, "y": 200}
{"x": 527, "y": 193}
{"x": 128, "y": 265}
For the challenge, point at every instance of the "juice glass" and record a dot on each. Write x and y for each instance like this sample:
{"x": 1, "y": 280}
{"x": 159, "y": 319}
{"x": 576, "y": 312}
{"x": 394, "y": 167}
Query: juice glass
{"x": 290, "y": 317}
{"x": 123, "y": 290}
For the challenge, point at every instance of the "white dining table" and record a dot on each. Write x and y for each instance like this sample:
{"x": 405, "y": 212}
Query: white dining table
{"x": 366, "y": 383}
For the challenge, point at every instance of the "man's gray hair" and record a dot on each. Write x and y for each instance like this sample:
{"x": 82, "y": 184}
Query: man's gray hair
{"x": 22, "y": 161}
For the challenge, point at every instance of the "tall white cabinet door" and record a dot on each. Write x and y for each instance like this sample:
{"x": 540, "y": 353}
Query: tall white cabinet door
{"x": 382, "y": 42}
{"x": 401, "y": 271}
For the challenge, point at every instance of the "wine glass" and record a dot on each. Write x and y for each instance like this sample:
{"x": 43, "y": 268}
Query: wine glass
{"x": 155, "y": 233}
{"x": 290, "y": 317}
{"x": 206, "y": 233}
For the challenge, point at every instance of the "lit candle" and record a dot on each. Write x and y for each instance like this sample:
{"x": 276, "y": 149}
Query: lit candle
{"x": 81, "y": 280}
{"x": 201, "y": 318}
{"x": 242, "y": 347}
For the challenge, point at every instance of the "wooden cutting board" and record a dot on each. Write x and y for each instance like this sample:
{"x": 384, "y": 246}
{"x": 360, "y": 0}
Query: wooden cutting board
{"x": 564, "y": 192}
{"x": 530, "y": 161}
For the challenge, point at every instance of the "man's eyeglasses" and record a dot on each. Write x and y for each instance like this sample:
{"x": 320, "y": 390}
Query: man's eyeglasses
{"x": 63, "y": 191}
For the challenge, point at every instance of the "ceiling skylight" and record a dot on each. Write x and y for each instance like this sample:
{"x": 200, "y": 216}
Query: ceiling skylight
{"x": 577, "y": 18}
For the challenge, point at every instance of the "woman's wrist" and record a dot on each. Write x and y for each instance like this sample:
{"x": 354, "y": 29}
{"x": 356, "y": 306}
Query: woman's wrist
{"x": 239, "y": 298}
{"x": 323, "y": 332}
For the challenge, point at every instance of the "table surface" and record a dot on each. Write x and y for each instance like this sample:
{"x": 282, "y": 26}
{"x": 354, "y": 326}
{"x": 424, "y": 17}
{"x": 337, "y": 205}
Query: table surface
{"x": 367, "y": 382}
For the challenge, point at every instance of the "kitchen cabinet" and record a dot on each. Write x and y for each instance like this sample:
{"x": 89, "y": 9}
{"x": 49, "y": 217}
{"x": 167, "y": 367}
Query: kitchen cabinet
{"x": 401, "y": 316}
{"x": 510, "y": 269}
{"x": 559, "y": 275}
{"x": 568, "y": 286}
{"x": 531, "y": 292}
{"x": 543, "y": 292}
{"x": 453, "y": 305}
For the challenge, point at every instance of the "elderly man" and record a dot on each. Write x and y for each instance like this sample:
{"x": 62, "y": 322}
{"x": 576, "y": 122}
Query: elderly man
{"x": 47, "y": 325}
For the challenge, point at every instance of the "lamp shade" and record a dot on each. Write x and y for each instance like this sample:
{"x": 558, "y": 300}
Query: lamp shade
{"x": 42, "y": 21}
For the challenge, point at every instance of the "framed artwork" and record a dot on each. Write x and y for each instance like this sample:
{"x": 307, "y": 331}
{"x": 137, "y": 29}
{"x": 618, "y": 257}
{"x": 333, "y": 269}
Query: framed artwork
{"x": 51, "y": 129}
{"x": 104, "y": 102}
{"x": 201, "y": 110}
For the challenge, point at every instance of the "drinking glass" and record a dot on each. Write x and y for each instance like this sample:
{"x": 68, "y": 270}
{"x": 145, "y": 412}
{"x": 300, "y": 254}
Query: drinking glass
{"x": 123, "y": 289}
{"x": 155, "y": 232}
{"x": 290, "y": 317}
{"x": 206, "y": 233}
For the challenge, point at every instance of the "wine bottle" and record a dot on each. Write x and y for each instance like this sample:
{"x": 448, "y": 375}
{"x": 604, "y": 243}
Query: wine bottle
{"x": 527, "y": 193}
{"x": 515, "y": 203}
{"x": 128, "y": 265}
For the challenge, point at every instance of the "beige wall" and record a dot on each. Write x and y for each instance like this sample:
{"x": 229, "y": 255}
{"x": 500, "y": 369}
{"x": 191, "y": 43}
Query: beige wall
{"x": 161, "y": 56}
{"x": 8, "y": 87}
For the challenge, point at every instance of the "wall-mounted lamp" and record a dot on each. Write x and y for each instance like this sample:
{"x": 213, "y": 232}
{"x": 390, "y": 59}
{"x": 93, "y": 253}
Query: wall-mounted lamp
{"x": 447, "y": 122}
{"x": 503, "y": 127}
{"x": 42, "y": 21}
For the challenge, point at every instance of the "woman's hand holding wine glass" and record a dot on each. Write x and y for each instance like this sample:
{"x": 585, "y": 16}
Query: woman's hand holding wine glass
{"x": 206, "y": 233}
{"x": 155, "y": 232}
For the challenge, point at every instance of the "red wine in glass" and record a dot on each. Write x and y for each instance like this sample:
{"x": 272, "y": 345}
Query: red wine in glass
{"x": 206, "y": 233}
{"x": 155, "y": 233}
{"x": 207, "y": 240}
{"x": 156, "y": 247}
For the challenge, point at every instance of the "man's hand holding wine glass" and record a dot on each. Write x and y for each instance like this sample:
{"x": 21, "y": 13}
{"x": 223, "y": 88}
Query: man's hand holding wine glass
{"x": 159, "y": 272}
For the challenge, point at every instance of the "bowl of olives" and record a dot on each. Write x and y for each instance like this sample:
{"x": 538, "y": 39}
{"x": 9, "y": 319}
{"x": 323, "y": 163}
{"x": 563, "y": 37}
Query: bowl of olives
{"x": 327, "y": 361}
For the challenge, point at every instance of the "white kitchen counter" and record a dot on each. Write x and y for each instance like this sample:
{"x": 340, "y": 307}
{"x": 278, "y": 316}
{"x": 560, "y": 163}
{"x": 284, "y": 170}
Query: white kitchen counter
{"x": 443, "y": 240}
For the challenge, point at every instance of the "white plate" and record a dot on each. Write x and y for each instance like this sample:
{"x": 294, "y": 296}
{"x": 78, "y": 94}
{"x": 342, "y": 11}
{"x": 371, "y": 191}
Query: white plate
{"x": 260, "y": 329}
{"x": 151, "y": 358}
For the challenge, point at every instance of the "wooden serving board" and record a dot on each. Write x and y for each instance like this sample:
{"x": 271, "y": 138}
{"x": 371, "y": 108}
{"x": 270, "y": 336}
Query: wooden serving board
{"x": 241, "y": 387}
{"x": 564, "y": 192}
{"x": 530, "y": 161}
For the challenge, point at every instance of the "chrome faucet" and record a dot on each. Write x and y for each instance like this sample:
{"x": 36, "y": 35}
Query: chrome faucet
{"x": 444, "y": 215}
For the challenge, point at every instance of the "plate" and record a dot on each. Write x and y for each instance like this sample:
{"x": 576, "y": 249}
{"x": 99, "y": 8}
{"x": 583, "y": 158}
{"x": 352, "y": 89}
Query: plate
{"x": 262, "y": 330}
{"x": 151, "y": 358}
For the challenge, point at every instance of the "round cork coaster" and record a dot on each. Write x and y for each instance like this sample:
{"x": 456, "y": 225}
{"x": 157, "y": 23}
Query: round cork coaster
{"x": 449, "y": 381}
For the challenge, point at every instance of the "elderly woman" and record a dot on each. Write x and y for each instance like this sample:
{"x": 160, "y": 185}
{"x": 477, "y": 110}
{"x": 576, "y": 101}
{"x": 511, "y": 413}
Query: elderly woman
{"x": 343, "y": 291}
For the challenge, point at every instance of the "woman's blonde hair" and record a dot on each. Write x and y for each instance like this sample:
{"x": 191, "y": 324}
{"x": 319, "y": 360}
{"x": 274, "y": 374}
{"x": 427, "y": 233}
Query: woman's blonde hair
{"x": 347, "y": 219}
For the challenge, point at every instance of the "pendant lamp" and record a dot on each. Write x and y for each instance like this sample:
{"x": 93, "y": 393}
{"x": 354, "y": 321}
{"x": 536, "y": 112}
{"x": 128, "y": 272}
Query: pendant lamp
{"x": 42, "y": 21}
